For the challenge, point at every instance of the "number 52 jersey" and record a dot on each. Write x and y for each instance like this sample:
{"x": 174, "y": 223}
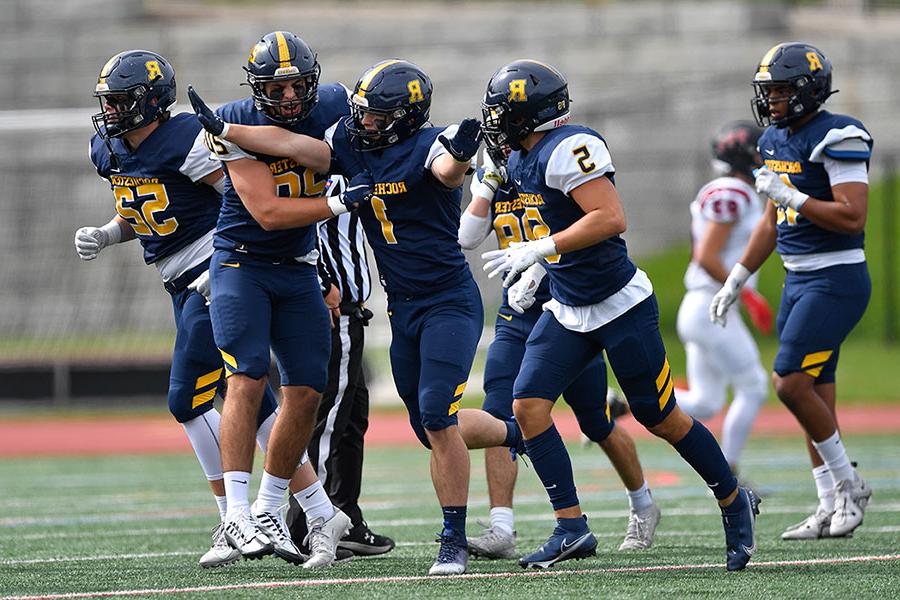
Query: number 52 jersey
{"x": 157, "y": 187}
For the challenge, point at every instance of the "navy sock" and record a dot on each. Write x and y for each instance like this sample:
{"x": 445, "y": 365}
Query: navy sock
{"x": 701, "y": 450}
{"x": 513, "y": 434}
{"x": 576, "y": 525}
{"x": 454, "y": 521}
{"x": 551, "y": 462}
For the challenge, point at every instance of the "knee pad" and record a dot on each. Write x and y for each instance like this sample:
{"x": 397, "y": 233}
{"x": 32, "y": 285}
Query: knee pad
{"x": 419, "y": 429}
{"x": 752, "y": 383}
{"x": 594, "y": 428}
{"x": 183, "y": 404}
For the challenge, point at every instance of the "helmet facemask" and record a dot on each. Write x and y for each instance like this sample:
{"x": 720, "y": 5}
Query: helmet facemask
{"x": 273, "y": 104}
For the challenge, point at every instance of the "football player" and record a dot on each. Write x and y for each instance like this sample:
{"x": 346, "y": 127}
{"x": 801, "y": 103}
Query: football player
{"x": 167, "y": 193}
{"x": 723, "y": 215}
{"x": 816, "y": 179}
{"x": 599, "y": 301}
{"x": 411, "y": 222}
{"x": 266, "y": 294}
{"x": 494, "y": 207}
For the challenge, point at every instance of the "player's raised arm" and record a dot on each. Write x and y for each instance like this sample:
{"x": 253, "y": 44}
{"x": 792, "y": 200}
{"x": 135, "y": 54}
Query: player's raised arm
{"x": 461, "y": 144}
{"x": 268, "y": 139}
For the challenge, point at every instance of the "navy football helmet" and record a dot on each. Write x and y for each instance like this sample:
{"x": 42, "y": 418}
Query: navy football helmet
{"x": 734, "y": 148}
{"x": 134, "y": 88}
{"x": 283, "y": 56}
{"x": 522, "y": 97}
{"x": 798, "y": 66}
{"x": 398, "y": 94}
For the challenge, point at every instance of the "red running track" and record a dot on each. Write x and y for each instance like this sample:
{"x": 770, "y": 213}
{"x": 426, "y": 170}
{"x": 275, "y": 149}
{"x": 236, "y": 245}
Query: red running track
{"x": 144, "y": 435}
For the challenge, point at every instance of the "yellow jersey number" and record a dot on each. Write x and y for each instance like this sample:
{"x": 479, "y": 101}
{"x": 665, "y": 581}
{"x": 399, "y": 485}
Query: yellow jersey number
{"x": 786, "y": 214}
{"x": 143, "y": 219}
{"x": 530, "y": 227}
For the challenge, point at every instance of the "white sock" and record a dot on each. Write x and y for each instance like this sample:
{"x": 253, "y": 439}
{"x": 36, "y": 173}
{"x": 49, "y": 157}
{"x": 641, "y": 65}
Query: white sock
{"x": 271, "y": 493}
{"x": 824, "y": 487}
{"x": 640, "y": 498}
{"x": 237, "y": 490}
{"x": 502, "y": 519}
{"x": 222, "y": 502}
{"x": 835, "y": 457}
{"x": 315, "y": 502}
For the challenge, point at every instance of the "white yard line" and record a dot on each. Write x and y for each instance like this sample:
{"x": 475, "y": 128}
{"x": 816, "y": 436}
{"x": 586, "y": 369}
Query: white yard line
{"x": 311, "y": 583}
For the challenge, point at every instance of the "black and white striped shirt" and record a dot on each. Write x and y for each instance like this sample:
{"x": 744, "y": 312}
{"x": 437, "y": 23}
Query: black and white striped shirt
{"x": 343, "y": 252}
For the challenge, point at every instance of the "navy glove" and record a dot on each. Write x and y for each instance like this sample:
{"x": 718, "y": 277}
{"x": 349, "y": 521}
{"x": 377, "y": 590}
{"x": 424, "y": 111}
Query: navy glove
{"x": 464, "y": 145}
{"x": 211, "y": 122}
{"x": 358, "y": 191}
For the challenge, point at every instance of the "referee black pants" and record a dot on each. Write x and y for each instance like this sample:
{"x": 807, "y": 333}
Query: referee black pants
{"x": 336, "y": 448}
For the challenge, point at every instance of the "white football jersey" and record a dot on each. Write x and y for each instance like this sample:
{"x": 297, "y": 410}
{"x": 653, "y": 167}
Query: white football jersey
{"x": 723, "y": 200}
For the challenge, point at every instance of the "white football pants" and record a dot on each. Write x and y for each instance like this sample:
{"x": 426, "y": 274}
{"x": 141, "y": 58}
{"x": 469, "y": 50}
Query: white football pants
{"x": 716, "y": 358}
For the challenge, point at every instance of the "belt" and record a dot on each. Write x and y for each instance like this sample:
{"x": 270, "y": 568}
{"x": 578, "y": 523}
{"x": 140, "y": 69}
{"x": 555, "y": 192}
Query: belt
{"x": 185, "y": 279}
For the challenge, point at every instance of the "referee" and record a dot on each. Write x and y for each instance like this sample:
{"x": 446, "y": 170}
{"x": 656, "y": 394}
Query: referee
{"x": 336, "y": 447}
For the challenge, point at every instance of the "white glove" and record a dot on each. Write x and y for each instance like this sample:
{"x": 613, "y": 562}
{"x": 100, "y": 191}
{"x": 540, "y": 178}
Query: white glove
{"x": 774, "y": 187}
{"x": 491, "y": 179}
{"x": 517, "y": 257}
{"x": 728, "y": 295}
{"x": 89, "y": 241}
{"x": 521, "y": 294}
{"x": 201, "y": 285}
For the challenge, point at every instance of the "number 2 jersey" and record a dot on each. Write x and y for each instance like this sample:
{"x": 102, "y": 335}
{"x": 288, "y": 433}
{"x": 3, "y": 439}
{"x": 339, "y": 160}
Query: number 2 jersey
{"x": 562, "y": 160}
{"x": 413, "y": 221}
{"x": 158, "y": 191}
{"x": 723, "y": 200}
{"x": 828, "y": 150}
{"x": 237, "y": 229}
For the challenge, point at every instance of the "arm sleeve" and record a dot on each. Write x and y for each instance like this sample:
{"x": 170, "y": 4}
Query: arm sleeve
{"x": 844, "y": 171}
{"x": 224, "y": 150}
{"x": 473, "y": 230}
{"x": 199, "y": 163}
{"x": 576, "y": 160}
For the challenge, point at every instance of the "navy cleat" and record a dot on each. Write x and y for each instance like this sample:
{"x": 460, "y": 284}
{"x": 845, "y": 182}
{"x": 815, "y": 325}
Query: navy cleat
{"x": 739, "y": 520}
{"x": 562, "y": 545}
{"x": 453, "y": 556}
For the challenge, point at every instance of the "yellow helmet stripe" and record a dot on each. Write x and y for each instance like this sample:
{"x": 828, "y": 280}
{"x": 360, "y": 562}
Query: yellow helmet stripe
{"x": 367, "y": 79}
{"x": 767, "y": 59}
{"x": 104, "y": 72}
{"x": 284, "y": 55}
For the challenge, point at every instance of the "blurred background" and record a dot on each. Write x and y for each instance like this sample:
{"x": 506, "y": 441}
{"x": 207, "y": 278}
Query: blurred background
{"x": 655, "y": 78}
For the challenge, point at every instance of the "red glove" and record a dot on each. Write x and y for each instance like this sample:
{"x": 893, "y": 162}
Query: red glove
{"x": 758, "y": 308}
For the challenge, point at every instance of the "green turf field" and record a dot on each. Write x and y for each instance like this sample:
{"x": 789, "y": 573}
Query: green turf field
{"x": 81, "y": 525}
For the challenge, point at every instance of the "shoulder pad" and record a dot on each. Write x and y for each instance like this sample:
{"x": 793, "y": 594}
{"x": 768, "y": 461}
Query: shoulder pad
{"x": 848, "y": 143}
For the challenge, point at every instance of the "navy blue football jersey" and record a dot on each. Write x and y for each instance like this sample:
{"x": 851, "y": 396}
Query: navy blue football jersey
{"x": 157, "y": 187}
{"x": 413, "y": 221}
{"x": 237, "y": 229}
{"x": 514, "y": 222}
{"x": 565, "y": 158}
{"x": 799, "y": 158}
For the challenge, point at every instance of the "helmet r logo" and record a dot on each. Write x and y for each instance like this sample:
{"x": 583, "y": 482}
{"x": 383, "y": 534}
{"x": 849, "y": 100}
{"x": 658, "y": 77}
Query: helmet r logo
{"x": 814, "y": 63}
{"x": 415, "y": 91}
{"x": 153, "y": 70}
{"x": 517, "y": 91}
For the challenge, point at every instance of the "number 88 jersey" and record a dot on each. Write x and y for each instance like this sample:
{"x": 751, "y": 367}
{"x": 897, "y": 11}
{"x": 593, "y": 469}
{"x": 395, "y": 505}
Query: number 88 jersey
{"x": 157, "y": 187}
{"x": 565, "y": 158}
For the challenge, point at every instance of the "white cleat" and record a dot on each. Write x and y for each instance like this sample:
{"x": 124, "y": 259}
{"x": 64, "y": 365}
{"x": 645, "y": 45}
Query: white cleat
{"x": 244, "y": 534}
{"x": 813, "y": 527}
{"x": 850, "y": 501}
{"x": 323, "y": 538}
{"x": 273, "y": 526}
{"x": 221, "y": 553}
{"x": 453, "y": 557}
{"x": 493, "y": 543}
{"x": 641, "y": 529}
